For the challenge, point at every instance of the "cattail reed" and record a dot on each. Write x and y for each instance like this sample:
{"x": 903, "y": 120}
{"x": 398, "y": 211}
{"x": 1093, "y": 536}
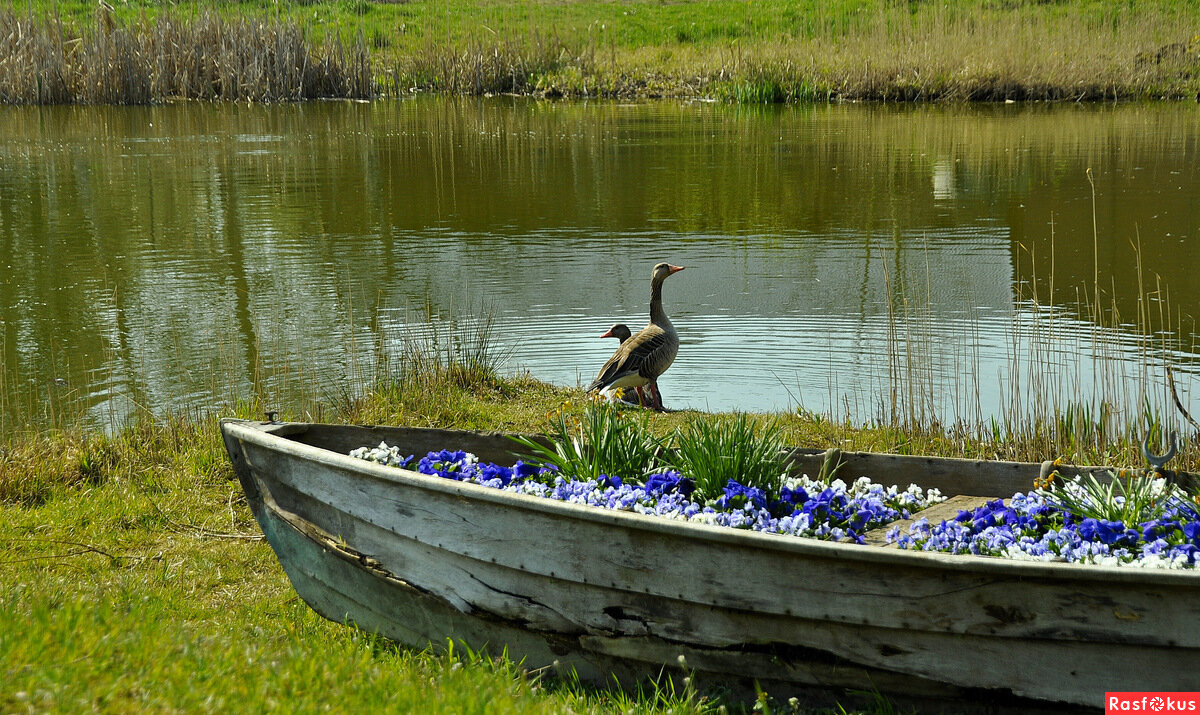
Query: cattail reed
{"x": 208, "y": 57}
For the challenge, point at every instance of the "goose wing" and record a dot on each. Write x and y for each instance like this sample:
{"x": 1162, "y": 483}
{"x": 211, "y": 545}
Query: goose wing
{"x": 656, "y": 354}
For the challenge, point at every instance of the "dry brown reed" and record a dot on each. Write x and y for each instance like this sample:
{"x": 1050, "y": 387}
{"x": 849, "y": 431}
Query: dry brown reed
{"x": 208, "y": 57}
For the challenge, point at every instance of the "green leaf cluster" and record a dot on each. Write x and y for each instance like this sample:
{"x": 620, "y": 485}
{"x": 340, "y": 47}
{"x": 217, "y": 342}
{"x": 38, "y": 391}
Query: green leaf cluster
{"x": 714, "y": 451}
{"x": 605, "y": 439}
{"x": 1129, "y": 498}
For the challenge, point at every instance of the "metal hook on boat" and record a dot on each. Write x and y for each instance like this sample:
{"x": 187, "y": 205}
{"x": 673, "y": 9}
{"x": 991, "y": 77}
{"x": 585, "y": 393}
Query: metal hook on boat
{"x": 1156, "y": 461}
{"x": 272, "y": 414}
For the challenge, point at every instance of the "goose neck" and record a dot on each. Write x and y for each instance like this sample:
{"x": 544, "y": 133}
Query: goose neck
{"x": 658, "y": 316}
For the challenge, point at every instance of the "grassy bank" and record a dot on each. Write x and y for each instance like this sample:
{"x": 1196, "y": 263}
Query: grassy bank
{"x": 766, "y": 51}
{"x": 144, "y": 588}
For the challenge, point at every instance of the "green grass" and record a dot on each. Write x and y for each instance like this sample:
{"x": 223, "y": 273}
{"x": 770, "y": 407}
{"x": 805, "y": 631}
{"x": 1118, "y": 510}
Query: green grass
{"x": 765, "y": 51}
{"x": 144, "y": 588}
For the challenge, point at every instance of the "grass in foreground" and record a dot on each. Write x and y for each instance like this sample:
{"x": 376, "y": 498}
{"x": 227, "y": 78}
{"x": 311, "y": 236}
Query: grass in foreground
{"x": 144, "y": 586}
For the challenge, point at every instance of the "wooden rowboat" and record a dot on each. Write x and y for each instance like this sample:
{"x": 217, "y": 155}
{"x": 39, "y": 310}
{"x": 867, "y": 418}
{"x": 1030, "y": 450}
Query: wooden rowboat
{"x": 426, "y": 560}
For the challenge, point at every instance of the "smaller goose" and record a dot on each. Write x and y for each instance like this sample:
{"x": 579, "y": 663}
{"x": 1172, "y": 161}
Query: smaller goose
{"x": 621, "y": 332}
{"x": 641, "y": 359}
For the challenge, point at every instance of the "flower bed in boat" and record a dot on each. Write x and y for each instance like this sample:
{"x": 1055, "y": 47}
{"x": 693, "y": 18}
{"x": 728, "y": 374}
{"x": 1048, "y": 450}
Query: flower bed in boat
{"x": 1068, "y": 524}
{"x": 803, "y": 507}
{"x": 1064, "y": 524}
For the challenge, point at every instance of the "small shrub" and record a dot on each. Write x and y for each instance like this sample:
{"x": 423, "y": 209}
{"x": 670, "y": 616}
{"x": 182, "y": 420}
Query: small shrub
{"x": 601, "y": 440}
{"x": 1130, "y": 499}
{"x": 713, "y": 452}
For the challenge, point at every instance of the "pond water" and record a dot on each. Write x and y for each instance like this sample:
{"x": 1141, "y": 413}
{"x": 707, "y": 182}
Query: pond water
{"x": 861, "y": 261}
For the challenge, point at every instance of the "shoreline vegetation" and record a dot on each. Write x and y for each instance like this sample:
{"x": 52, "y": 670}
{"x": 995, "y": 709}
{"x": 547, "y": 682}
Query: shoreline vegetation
{"x": 140, "y": 52}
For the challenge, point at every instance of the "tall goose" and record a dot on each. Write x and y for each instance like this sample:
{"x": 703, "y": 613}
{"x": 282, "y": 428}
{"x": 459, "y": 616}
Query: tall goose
{"x": 641, "y": 359}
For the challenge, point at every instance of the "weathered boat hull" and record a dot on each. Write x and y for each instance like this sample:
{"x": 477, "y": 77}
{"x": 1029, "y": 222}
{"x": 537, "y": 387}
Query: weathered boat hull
{"x": 422, "y": 559}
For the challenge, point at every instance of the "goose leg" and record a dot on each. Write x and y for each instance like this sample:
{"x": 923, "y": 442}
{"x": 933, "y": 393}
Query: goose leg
{"x": 656, "y": 402}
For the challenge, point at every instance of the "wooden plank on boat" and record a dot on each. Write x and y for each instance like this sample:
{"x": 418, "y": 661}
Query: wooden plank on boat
{"x": 487, "y": 446}
{"x": 950, "y": 476}
{"x": 946, "y": 510}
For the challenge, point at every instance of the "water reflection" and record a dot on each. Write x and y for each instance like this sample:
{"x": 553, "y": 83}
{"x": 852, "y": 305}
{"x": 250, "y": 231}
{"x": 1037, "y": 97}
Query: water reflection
{"x": 190, "y": 254}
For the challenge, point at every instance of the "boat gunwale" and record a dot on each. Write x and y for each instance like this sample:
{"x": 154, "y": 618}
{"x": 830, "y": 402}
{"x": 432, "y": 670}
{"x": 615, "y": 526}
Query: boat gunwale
{"x": 264, "y": 435}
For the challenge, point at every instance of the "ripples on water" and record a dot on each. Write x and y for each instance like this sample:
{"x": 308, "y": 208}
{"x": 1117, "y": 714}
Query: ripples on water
{"x": 190, "y": 256}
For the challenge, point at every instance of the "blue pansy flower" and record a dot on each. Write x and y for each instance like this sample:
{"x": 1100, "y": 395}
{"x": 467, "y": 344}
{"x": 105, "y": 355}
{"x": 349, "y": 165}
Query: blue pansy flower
{"x": 1191, "y": 532}
{"x": 489, "y": 472}
{"x": 740, "y": 496}
{"x": 668, "y": 482}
